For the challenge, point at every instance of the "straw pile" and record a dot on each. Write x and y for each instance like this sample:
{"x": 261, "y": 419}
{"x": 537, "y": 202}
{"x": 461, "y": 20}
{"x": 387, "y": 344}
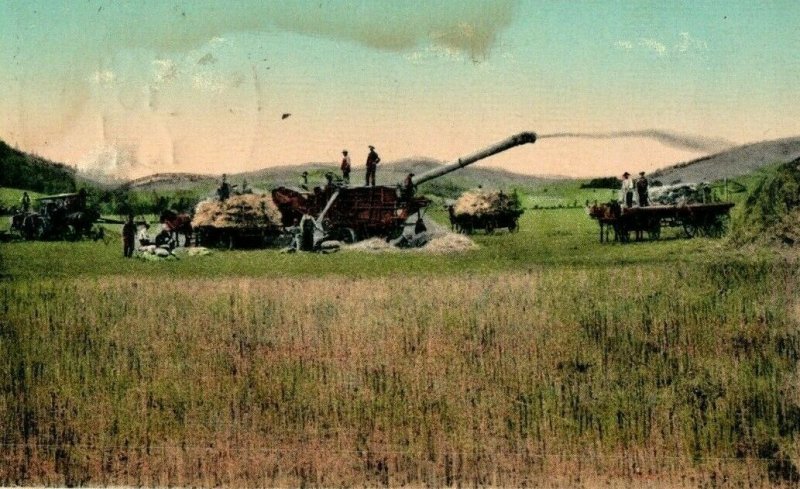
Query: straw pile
{"x": 449, "y": 243}
{"x": 437, "y": 239}
{"x": 238, "y": 211}
{"x": 481, "y": 202}
{"x": 373, "y": 245}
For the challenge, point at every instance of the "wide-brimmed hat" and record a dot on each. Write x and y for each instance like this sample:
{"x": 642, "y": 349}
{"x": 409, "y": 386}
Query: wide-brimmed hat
{"x": 641, "y": 173}
{"x": 626, "y": 174}
{"x": 344, "y": 151}
{"x": 371, "y": 147}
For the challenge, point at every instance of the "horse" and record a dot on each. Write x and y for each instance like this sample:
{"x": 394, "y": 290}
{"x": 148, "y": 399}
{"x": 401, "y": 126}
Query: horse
{"x": 610, "y": 216}
{"x": 177, "y": 224}
{"x": 607, "y": 216}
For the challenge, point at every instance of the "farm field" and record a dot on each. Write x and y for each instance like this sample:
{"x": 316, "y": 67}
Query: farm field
{"x": 543, "y": 356}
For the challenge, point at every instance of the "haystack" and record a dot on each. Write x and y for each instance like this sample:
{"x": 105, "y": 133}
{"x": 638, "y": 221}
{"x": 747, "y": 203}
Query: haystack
{"x": 481, "y": 202}
{"x": 238, "y": 211}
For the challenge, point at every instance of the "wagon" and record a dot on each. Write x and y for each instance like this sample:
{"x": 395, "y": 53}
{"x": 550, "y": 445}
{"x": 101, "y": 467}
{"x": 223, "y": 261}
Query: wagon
{"x": 489, "y": 222}
{"x": 695, "y": 219}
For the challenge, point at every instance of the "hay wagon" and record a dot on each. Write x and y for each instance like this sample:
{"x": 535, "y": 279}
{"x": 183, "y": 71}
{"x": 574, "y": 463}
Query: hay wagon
{"x": 241, "y": 221}
{"x": 488, "y": 222}
{"x": 694, "y": 219}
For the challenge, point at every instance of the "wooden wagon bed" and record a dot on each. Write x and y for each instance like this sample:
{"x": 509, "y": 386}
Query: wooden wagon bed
{"x": 695, "y": 219}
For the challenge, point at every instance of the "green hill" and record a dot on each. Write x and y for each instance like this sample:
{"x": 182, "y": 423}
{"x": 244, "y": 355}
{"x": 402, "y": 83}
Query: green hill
{"x": 26, "y": 171}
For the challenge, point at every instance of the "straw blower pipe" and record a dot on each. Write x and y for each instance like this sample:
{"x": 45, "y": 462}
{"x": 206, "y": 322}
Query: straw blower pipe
{"x": 508, "y": 143}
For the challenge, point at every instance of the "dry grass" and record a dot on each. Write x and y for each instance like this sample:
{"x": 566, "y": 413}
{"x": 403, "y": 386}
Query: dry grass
{"x": 682, "y": 377}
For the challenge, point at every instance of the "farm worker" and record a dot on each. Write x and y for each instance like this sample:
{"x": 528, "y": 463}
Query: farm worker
{"x": 372, "y": 165}
{"x": 26, "y": 202}
{"x": 626, "y": 194}
{"x": 641, "y": 189}
{"x": 224, "y": 190}
{"x": 143, "y": 237}
{"x": 345, "y": 167}
{"x": 408, "y": 186}
{"x": 128, "y": 235}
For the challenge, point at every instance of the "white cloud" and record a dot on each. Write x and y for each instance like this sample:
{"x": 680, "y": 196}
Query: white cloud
{"x": 103, "y": 77}
{"x": 687, "y": 43}
{"x": 659, "y": 48}
{"x": 432, "y": 52}
{"x": 164, "y": 70}
{"x": 626, "y": 45}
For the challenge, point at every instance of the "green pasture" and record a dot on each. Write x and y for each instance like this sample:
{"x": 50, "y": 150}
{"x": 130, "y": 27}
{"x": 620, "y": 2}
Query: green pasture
{"x": 10, "y": 197}
{"x": 553, "y": 237}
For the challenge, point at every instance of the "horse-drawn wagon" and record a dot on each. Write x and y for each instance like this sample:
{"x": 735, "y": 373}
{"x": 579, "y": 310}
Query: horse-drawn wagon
{"x": 694, "y": 219}
{"x": 243, "y": 220}
{"x": 486, "y": 211}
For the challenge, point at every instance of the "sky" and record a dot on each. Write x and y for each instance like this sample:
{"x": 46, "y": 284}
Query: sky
{"x": 131, "y": 88}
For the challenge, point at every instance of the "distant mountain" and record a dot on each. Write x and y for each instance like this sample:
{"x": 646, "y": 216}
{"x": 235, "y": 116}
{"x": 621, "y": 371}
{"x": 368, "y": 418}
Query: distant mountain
{"x": 171, "y": 181}
{"x": 389, "y": 173}
{"x": 734, "y": 162}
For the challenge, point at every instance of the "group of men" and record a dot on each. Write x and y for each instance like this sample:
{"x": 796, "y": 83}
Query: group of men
{"x": 634, "y": 192}
{"x": 372, "y": 166}
{"x": 132, "y": 239}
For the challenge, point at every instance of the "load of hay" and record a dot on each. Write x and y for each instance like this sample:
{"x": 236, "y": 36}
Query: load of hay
{"x": 681, "y": 194}
{"x": 483, "y": 202}
{"x": 238, "y": 211}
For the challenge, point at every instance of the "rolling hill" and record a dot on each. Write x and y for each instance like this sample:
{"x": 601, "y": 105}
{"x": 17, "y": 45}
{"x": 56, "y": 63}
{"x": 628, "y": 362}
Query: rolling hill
{"x": 734, "y": 162}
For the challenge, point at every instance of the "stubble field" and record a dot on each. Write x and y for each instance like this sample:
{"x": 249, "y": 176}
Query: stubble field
{"x": 542, "y": 358}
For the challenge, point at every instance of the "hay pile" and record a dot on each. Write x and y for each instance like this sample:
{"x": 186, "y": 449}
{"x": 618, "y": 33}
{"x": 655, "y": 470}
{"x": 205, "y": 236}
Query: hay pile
{"x": 372, "y": 245}
{"x": 681, "y": 194}
{"x": 771, "y": 213}
{"x": 437, "y": 239}
{"x": 482, "y": 202}
{"x": 238, "y": 211}
{"x": 449, "y": 243}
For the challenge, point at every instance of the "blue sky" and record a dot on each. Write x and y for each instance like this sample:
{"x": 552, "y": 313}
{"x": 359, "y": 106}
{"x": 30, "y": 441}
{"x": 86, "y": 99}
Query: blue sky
{"x": 136, "y": 87}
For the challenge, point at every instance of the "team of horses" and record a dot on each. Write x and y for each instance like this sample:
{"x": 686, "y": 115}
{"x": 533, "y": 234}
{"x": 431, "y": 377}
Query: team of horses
{"x": 612, "y": 219}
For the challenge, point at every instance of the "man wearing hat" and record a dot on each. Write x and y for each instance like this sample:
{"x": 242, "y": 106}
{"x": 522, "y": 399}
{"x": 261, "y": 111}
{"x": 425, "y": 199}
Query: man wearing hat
{"x": 372, "y": 165}
{"x": 408, "y": 186}
{"x": 345, "y": 167}
{"x": 224, "y": 190}
{"x": 641, "y": 189}
{"x": 626, "y": 194}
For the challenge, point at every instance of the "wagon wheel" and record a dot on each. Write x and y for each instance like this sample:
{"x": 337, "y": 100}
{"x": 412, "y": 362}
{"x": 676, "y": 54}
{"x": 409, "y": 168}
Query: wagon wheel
{"x": 717, "y": 227}
{"x": 512, "y": 226}
{"x": 690, "y": 228}
{"x": 347, "y": 235}
{"x": 655, "y": 231}
{"x": 228, "y": 241}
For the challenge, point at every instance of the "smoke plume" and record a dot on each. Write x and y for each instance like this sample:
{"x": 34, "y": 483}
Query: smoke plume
{"x": 675, "y": 140}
